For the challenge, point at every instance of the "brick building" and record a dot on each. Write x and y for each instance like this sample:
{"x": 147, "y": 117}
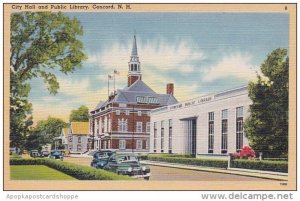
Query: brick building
{"x": 123, "y": 121}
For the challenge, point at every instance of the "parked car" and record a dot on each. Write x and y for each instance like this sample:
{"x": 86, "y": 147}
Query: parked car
{"x": 100, "y": 158}
{"x": 45, "y": 153}
{"x": 57, "y": 154}
{"x": 34, "y": 153}
{"x": 127, "y": 164}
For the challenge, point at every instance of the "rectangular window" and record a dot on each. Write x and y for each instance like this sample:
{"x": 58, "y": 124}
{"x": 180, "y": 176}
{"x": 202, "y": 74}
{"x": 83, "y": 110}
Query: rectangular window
{"x": 162, "y": 135}
{"x": 79, "y": 147}
{"x": 79, "y": 139}
{"x": 147, "y": 144}
{"x": 170, "y": 135}
{"x": 127, "y": 112}
{"x": 155, "y": 137}
{"x": 148, "y": 127}
{"x": 211, "y": 132}
{"x": 139, "y": 113}
{"x": 139, "y": 127}
{"x": 122, "y": 125}
{"x": 148, "y": 113}
{"x": 224, "y": 144}
{"x": 239, "y": 128}
{"x": 139, "y": 144}
{"x": 70, "y": 138}
{"x": 118, "y": 112}
{"x": 122, "y": 144}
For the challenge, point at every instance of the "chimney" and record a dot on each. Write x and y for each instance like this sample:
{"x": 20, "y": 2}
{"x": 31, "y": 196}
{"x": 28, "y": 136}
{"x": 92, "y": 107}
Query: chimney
{"x": 170, "y": 88}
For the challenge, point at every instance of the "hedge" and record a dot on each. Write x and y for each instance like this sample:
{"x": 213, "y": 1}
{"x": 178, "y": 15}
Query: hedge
{"x": 77, "y": 171}
{"x": 274, "y": 166}
{"x": 190, "y": 161}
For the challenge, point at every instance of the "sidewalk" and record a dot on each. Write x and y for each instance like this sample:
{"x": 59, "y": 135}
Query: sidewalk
{"x": 235, "y": 171}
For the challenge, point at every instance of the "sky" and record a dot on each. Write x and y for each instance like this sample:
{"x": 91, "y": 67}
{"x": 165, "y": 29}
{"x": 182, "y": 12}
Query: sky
{"x": 199, "y": 52}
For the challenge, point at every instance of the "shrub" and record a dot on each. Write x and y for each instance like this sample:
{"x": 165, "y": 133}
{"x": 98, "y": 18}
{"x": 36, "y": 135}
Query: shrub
{"x": 274, "y": 166}
{"x": 190, "y": 161}
{"x": 74, "y": 170}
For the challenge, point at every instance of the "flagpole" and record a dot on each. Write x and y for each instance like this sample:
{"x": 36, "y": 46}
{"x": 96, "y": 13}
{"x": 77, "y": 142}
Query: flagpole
{"x": 114, "y": 82}
{"x": 108, "y": 86}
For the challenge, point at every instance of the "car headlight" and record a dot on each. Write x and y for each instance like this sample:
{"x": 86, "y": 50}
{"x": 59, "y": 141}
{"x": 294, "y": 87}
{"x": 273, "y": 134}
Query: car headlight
{"x": 144, "y": 168}
{"x": 129, "y": 169}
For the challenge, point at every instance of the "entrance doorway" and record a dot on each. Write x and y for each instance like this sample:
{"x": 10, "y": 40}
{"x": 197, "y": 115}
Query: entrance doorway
{"x": 191, "y": 131}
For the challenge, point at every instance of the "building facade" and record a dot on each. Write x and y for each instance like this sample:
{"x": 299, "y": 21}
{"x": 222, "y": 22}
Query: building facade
{"x": 123, "y": 121}
{"x": 78, "y": 137}
{"x": 210, "y": 125}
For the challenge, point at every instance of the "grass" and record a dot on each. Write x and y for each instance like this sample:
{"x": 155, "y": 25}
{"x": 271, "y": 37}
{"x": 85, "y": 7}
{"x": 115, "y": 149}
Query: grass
{"x": 36, "y": 172}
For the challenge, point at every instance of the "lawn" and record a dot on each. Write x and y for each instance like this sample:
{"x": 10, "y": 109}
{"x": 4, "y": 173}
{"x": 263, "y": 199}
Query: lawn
{"x": 36, "y": 172}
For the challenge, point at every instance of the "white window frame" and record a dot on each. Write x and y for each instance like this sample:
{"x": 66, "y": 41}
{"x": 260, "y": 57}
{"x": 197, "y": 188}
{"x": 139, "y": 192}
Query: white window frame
{"x": 139, "y": 113}
{"x": 127, "y": 112}
{"x": 147, "y": 127}
{"x": 139, "y": 144}
{"x": 122, "y": 144}
{"x": 118, "y": 112}
{"x": 139, "y": 127}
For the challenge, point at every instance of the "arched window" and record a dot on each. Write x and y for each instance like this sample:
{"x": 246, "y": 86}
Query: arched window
{"x": 135, "y": 67}
{"x": 131, "y": 67}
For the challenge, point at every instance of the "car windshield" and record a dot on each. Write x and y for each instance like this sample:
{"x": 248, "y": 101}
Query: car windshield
{"x": 127, "y": 158}
{"x": 103, "y": 154}
{"x": 55, "y": 153}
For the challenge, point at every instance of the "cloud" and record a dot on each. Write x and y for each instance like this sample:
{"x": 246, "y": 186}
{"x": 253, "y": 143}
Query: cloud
{"x": 235, "y": 65}
{"x": 155, "y": 54}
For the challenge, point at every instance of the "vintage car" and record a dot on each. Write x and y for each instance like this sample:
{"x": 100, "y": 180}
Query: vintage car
{"x": 34, "y": 153}
{"x": 127, "y": 164}
{"x": 57, "y": 154}
{"x": 100, "y": 158}
{"x": 45, "y": 153}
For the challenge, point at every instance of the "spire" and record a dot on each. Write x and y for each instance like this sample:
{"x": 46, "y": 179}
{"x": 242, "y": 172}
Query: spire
{"x": 134, "y": 65}
{"x": 134, "y": 52}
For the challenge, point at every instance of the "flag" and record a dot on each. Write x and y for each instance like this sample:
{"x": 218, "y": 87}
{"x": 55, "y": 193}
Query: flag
{"x": 116, "y": 72}
{"x": 110, "y": 77}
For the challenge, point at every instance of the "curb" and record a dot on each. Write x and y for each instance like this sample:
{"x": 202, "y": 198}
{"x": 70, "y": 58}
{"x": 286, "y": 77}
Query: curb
{"x": 219, "y": 170}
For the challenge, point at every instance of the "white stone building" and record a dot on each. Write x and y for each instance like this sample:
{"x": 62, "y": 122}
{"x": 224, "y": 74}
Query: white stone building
{"x": 210, "y": 125}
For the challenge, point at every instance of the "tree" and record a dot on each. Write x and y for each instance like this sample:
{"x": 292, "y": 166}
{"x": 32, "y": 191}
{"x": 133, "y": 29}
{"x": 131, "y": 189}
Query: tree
{"x": 267, "y": 126}
{"x": 45, "y": 132}
{"x": 40, "y": 43}
{"x": 81, "y": 114}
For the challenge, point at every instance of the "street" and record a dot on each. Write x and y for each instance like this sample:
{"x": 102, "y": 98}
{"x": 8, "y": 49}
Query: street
{"x": 167, "y": 173}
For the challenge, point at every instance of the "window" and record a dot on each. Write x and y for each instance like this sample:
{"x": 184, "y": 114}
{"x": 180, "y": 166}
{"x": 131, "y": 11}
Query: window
{"x": 139, "y": 144}
{"x": 211, "y": 132}
{"x": 127, "y": 112}
{"x": 122, "y": 144}
{"x": 148, "y": 127}
{"x": 79, "y": 139}
{"x": 155, "y": 137}
{"x": 239, "y": 128}
{"x": 118, "y": 112}
{"x": 162, "y": 135}
{"x": 122, "y": 125}
{"x": 224, "y": 143}
{"x": 148, "y": 113}
{"x": 70, "y": 138}
{"x": 139, "y": 127}
{"x": 79, "y": 147}
{"x": 147, "y": 144}
{"x": 170, "y": 135}
{"x": 139, "y": 113}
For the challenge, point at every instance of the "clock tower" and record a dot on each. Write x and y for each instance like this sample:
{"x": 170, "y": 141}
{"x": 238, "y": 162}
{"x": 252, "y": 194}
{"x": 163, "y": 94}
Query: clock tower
{"x": 134, "y": 65}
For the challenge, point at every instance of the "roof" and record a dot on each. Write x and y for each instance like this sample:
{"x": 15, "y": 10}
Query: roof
{"x": 65, "y": 132}
{"x": 80, "y": 128}
{"x": 138, "y": 88}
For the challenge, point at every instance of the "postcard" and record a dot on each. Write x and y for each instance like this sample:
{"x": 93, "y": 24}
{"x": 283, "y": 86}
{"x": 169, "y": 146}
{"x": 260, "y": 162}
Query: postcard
{"x": 149, "y": 96}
